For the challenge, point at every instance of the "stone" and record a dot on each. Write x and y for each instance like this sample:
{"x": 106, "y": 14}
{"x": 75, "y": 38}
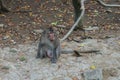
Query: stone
{"x": 93, "y": 75}
{"x": 91, "y": 28}
{"x": 1, "y": 25}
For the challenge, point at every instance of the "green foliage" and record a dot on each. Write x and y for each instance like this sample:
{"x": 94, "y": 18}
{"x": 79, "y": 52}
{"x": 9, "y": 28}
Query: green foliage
{"x": 13, "y": 51}
{"x": 54, "y": 23}
{"x": 22, "y": 58}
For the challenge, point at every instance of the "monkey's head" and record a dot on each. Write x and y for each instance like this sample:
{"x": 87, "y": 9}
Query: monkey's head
{"x": 51, "y": 34}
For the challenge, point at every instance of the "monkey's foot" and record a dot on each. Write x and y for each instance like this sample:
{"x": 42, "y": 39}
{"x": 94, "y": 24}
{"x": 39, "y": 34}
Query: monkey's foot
{"x": 53, "y": 60}
{"x": 37, "y": 57}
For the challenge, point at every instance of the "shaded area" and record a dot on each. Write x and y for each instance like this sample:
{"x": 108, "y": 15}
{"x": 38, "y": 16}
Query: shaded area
{"x": 20, "y": 27}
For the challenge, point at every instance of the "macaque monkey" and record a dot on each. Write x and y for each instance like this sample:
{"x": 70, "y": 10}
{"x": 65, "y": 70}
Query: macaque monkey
{"x": 49, "y": 45}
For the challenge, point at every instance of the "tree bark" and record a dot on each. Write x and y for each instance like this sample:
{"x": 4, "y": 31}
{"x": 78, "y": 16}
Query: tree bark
{"x": 3, "y": 8}
{"x": 77, "y": 12}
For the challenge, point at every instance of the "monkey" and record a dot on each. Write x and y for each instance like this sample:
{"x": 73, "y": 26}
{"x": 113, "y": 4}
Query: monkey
{"x": 45, "y": 51}
{"x": 49, "y": 45}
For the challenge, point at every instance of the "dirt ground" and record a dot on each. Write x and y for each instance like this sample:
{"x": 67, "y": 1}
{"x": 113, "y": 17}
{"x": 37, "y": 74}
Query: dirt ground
{"x": 20, "y": 33}
{"x": 23, "y": 27}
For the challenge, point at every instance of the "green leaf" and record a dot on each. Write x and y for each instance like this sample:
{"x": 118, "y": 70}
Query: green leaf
{"x": 54, "y": 23}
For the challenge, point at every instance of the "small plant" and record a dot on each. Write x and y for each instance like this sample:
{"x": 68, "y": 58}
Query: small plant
{"x": 22, "y": 58}
{"x": 13, "y": 51}
{"x": 54, "y": 23}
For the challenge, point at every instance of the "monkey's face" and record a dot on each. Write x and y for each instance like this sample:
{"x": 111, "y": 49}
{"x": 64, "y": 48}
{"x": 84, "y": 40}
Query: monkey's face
{"x": 52, "y": 36}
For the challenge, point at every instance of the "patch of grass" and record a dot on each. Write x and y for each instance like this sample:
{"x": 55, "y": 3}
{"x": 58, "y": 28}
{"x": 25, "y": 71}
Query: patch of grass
{"x": 54, "y": 23}
{"x": 22, "y": 58}
{"x": 13, "y": 51}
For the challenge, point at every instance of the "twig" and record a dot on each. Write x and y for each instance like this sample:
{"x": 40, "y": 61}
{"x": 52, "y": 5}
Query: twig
{"x": 66, "y": 51}
{"x": 107, "y": 5}
{"x": 76, "y": 23}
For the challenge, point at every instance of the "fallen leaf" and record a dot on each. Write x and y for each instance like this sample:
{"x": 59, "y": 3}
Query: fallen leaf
{"x": 54, "y": 23}
{"x": 93, "y": 67}
{"x": 81, "y": 45}
{"x": 75, "y": 78}
{"x": 30, "y": 14}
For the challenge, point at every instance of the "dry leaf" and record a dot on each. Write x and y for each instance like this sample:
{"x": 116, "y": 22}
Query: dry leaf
{"x": 75, "y": 78}
{"x": 93, "y": 67}
{"x": 30, "y": 14}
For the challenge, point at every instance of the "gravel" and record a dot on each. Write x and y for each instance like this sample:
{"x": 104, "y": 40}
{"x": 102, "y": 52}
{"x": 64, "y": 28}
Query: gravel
{"x": 68, "y": 67}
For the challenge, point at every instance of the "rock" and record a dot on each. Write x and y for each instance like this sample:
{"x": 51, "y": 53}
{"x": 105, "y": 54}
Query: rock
{"x": 38, "y": 31}
{"x": 93, "y": 75}
{"x": 12, "y": 76}
{"x": 6, "y": 37}
{"x": 5, "y": 67}
{"x": 77, "y": 39}
{"x": 113, "y": 72}
{"x": 1, "y": 25}
{"x": 13, "y": 50}
{"x": 109, "y": 11}
{"x": 92, "y": 28}
{"x": 61, "y": 26}
{"x": 67, "y": 78}
{"x": 13, "y": 41}
{"x": 113, "y": 78}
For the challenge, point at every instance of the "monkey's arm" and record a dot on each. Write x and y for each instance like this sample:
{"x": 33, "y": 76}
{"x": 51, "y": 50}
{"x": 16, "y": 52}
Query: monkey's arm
{"x": 38, "y": 52}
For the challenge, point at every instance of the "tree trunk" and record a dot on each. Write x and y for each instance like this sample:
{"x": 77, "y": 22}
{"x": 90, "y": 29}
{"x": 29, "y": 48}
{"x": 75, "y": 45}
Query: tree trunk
{"x": 77, "y": 12}
{"x": 3, "y": 9}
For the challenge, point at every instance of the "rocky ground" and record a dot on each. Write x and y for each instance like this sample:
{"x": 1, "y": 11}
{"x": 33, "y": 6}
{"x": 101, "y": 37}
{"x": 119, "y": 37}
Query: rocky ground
{"x": 19, "y": 63}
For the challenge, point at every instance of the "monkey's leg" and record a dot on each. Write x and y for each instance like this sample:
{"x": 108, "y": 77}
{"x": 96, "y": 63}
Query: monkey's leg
{"x": 58, "y": 52}
{"x": 53, "y": 58}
